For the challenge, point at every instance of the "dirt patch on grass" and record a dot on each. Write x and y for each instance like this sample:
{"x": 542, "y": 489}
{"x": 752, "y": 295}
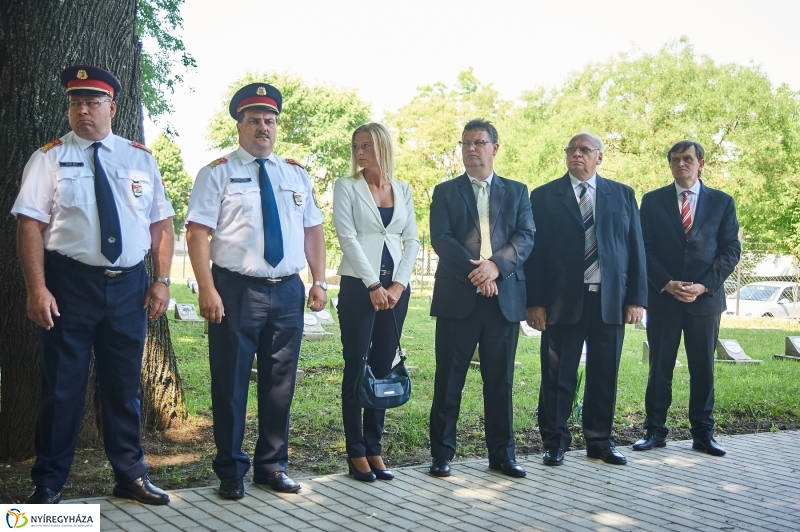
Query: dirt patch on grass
{"x": 181, "y": 457}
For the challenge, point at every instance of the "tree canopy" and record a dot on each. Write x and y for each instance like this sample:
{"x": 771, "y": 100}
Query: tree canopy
{"x": 177, "y": 182}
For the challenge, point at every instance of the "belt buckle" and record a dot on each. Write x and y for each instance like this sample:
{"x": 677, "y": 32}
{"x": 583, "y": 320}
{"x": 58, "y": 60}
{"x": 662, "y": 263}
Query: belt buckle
{"x": 593, "y": 287}
{"x": 112, "y": 273}
{"x": 271, "y": 280}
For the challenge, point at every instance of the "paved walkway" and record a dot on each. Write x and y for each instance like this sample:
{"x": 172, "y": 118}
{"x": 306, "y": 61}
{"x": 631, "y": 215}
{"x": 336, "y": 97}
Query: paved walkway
{"x": 755, "y": 487}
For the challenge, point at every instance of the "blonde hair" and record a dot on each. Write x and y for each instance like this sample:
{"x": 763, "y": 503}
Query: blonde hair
{"x": 382, "y": 144}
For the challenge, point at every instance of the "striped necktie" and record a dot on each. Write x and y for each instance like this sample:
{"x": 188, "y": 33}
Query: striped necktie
{"x": 482, "y": 197}
{"x": 686, "y": 214}
{"x": 591, "y": 258}
{"x": 273, "y": 237}
{"x": 110, "y": 232}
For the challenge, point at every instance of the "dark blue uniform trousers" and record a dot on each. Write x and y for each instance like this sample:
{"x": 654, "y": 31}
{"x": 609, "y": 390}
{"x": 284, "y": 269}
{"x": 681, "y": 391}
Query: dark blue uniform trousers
{"x": 104, "y": 312}
{"x": 265, "y": 320}
{"x": 366, "y": 332}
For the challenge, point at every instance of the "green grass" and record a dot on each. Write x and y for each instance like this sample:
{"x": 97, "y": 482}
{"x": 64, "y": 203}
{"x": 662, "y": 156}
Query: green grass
{"x": 768, "y": 392}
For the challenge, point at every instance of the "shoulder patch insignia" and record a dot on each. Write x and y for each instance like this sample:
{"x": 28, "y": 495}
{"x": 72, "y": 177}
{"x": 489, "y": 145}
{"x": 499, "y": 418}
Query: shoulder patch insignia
{"x": 141, "y": 146}
{"x": 292, "y": 161}
{"x": 50, "y": 145}
{"x": 214, "y": 164}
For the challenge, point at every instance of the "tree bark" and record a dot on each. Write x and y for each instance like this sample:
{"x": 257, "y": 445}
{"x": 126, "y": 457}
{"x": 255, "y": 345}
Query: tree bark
{"x": 38, "y": 39}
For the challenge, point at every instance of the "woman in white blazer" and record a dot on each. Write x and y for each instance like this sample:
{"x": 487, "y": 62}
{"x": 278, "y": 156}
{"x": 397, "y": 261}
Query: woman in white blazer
{"x": 377, "y": 229}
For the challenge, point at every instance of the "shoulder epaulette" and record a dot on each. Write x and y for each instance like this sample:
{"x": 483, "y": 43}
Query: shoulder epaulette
{"x": 292, "y": 161}
{"x": 50, "y": 145}
{"x": 141, "y": 146}
{"x": 217, "y": 162}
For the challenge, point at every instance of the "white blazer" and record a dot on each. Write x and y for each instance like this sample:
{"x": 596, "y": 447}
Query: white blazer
{"x": 362, "y": 235}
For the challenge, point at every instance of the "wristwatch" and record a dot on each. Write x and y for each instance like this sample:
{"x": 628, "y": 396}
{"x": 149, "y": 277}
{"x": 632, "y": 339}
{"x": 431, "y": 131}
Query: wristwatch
{"x": 164, "y": 280}
{"x": 321, "y": 284}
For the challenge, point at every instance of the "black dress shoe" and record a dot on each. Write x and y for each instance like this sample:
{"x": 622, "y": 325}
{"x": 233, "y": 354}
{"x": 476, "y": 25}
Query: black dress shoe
{"x": 141, "y": 490}
{"x": 553, "y": 457}
{"x": 369, "y": 476}
{"x": 278, "y": 481}
{"x": 610, "y": 456}
{"x": 649, "y": 441}
{"x": 709, "y": 446}
{"x": 510, "y": 468}
{"x": 440, "y": 467}
{"x": 232, "y": 488}
{"x": 381, "y": 474}
{"x": 42, "y": 495}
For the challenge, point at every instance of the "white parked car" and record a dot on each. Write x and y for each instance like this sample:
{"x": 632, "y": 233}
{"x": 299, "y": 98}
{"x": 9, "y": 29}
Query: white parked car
{"x": 766, "y": 299}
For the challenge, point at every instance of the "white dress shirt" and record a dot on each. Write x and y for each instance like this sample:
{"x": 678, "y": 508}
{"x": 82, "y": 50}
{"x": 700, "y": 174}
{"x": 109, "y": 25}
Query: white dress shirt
{"x": 227, "y": 198}
{"x": 695, "y": 189}
{"x": 58, "y": 189}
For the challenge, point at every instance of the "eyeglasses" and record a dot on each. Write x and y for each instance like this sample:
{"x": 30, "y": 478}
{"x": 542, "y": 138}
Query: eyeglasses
{"x": 91, "y": 104}
{"x": 476, "y": 143}
{"x": 586, "y": 150}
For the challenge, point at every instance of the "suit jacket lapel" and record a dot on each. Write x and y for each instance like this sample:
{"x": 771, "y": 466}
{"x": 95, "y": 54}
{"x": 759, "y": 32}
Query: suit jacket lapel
{"x": 465, "y": 187}
{"x": 671, "y": 203}
{"x": 568, "y": 197}
{"x": 362, "y": 189}
{"x": 600, "y": 199}
{"x": 495, "y": 201}
{"x": 700, "y": 211}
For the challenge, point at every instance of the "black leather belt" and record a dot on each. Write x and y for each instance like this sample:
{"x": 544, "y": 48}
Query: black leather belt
{"x": 76, "y": 264}
{"x": 591, "y": 287}
{"x": 261, "y": 280}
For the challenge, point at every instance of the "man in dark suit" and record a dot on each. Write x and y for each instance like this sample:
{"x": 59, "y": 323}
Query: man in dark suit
{"x": 586, "y": 279}
{"x": 692, "y": 245}
{"x": 482, "y": 230}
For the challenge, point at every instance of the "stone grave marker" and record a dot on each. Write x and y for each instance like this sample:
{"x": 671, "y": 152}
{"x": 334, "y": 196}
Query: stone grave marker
{"x": 401, "y": 350}
{"x": 186, "y": 312}
{"x": 334, "y": 303}
{"x": 171, "y": 304}
{"x": 312, "y": 330}
{"x": 792, "y": 349}
{"x": 729, "y": 351}
{"x": 526, "y": 331}
{"x": 323, "y": 317}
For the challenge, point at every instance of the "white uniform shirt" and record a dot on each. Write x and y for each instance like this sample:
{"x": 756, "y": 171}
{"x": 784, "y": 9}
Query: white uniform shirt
{"x": 227, "y": 198}
{"x": 592, "y": 191}
{"x": 58, "y": 189}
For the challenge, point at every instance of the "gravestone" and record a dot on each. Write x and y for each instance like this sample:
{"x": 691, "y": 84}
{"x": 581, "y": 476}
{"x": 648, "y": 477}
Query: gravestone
{"x": 191, "y": 282}
{"x": 254, "y": 372}
{"x": 401, "y": 350}
{"x": 526, "y": 331}
{"x": 792, "y": 349}
{"x": 334, "y": 303}
{"x": 729, "y": 351}
{"x": 583, "y": 354}
{"x": 312, "y": 330}
{"x": 171, "y": 304}
{"x": 323, "y": 317}
{"x": 186, "y": 312}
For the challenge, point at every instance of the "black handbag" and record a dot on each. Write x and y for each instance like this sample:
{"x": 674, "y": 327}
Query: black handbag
{"x": 389, "y": 392}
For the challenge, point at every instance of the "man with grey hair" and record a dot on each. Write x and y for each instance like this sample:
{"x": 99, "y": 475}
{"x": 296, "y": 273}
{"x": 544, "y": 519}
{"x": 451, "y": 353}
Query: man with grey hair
{"x": 586, "y": 278}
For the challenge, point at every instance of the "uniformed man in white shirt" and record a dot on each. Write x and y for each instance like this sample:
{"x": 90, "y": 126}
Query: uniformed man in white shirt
{"x": 91, "y": 205}
{"x": 253, "y": 215}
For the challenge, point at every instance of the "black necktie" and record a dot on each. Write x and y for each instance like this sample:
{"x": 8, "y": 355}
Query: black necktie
{"x": 110, "y": 234}
{"x": 273, "y": 237}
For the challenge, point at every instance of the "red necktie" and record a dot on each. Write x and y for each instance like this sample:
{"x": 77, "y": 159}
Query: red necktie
{"x": 686, "y": 214}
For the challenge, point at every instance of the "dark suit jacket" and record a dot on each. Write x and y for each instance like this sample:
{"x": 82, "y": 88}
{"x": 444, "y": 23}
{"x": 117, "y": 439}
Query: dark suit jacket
{"x": 555, "y": 267}
{"x": 708, "y": 257}
{"x": 456, "y": 238}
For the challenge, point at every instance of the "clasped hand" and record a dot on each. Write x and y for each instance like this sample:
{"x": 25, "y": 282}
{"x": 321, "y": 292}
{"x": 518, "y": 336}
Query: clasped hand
{"x": 484, "y": 275}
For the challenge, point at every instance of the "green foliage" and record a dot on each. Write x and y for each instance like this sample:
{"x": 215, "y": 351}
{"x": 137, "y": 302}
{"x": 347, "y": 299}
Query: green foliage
{"x": 428, "y": 129}
{"x": 159, "y": 20}
{"x": 642, "y": 106}
{"x": 176, "y": 181}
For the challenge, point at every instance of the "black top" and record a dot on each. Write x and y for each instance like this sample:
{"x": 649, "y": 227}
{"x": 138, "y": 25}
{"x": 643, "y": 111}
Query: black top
{"x": 386, "y": 259}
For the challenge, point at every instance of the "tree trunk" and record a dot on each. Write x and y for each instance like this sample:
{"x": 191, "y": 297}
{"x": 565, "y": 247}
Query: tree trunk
{"x": 39, "y": 38}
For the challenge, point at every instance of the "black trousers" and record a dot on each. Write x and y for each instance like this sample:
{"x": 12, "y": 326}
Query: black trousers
{"x": 700, "y": 334}
{"x": 105, "y": 313}
{"x": 561, "y": 354}
{"x": 267, "y": 321}
{"x": 365, "y": 331}
{"x": 456, "y": 339}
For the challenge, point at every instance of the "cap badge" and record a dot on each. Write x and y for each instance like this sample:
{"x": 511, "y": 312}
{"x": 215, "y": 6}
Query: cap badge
{"x": 261, "y": 91}
{"x": 82, "y": 74}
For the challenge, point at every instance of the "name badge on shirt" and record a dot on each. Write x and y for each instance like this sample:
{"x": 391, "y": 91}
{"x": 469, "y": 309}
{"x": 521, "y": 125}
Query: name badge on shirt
{"x": 137, "y": 189}
{"x": 298, "y": 199}
{"x": 67, "y": 164}
{"x": 241, "y": 179}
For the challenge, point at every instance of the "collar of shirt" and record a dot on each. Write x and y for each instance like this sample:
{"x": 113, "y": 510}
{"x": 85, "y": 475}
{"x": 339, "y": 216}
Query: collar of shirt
{"x": 246, "y": 157}
{"x": 592, "y": 182}
{"x": 694, "y": 188}
{"x": 488, "y": 180}
{"x": 83, "y": 144}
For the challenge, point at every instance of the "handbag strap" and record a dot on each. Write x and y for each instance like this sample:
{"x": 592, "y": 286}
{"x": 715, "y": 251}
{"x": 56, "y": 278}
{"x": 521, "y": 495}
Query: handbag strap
{"x": 397, "y": 330}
